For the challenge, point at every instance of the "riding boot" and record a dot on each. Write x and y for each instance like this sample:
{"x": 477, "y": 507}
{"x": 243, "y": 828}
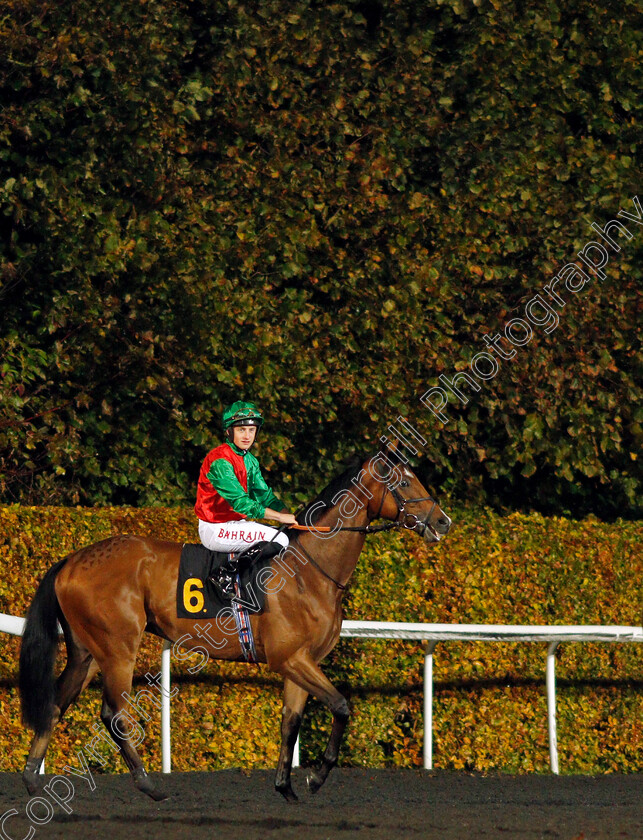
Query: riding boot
{"x": 224, "y": 577}
{"x": 258, "y": 551}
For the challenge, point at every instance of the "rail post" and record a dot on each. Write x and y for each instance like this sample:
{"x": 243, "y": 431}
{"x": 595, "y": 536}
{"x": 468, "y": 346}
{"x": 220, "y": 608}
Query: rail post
{"x": 166, "y": 745}
{"x": 551, "y": 706}
{"x": 428, "y": 705}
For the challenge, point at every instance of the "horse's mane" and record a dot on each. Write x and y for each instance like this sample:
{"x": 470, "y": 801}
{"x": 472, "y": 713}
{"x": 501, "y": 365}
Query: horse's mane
{"x": 339, "y": 483}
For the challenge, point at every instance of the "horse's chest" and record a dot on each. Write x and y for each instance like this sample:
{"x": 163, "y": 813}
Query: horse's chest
{"x": 326, "y": 638}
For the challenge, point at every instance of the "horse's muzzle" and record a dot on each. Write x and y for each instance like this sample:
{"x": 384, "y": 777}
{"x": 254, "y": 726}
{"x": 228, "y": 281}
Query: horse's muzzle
{"x": 433, "y": 533}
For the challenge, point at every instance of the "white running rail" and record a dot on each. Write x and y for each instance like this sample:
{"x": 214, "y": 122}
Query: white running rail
{"x": 430, "y": 634}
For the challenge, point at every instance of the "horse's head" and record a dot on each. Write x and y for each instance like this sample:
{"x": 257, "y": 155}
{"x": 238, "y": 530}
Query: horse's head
{"x": 398, "y": 494}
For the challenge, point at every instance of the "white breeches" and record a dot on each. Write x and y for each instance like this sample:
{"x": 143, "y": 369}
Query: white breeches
{"x": 237, "y": 535}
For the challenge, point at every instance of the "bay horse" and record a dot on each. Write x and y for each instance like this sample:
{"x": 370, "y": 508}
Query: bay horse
{"x": 106, "y": 595}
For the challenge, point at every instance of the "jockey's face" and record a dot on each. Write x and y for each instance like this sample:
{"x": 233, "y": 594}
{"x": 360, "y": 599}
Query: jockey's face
{"x": 244, "y": 436}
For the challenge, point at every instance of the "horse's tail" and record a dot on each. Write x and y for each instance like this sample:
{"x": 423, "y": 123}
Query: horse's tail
{"x": 38, "y": 655}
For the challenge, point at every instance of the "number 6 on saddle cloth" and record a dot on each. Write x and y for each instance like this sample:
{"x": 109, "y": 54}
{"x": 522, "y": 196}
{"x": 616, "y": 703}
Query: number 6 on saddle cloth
{"x": 197, "y": 594}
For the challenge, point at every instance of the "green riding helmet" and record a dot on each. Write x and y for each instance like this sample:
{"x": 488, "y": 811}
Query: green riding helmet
{"x": 242, "y": 414}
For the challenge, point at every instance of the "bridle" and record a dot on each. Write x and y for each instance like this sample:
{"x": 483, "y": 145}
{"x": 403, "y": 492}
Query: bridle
{"x": 409, "y": 522}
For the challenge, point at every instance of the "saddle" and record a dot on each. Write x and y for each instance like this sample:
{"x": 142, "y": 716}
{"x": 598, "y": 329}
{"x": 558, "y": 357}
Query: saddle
{"x": 199, "y": 593}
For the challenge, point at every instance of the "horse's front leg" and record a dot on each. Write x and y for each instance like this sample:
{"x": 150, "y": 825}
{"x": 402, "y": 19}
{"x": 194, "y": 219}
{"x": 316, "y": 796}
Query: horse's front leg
{"x": 309, "y": 676}
{"x": 291, "y": 715}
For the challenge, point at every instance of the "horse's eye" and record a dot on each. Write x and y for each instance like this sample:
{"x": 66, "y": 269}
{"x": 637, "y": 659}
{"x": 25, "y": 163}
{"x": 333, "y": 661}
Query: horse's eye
{"x": 404, "y": 483}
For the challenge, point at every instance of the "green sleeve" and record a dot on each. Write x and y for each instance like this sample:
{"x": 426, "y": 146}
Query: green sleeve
{"x": 258, "y": 489}
{"x": 225, "y": 482}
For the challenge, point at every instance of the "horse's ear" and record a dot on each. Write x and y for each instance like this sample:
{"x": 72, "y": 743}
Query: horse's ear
{"x": 391, "y": 448}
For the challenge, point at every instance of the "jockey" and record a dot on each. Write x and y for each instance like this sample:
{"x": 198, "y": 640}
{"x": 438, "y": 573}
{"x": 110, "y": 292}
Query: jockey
{"x": 232, "y": 494}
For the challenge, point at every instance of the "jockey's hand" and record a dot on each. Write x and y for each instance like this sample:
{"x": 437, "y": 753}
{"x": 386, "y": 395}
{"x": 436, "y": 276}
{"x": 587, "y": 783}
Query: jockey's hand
{"x": 281, "y": 516}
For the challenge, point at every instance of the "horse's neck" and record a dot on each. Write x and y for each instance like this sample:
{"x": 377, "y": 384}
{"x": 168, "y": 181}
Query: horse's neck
{"x": 338, "y": 554}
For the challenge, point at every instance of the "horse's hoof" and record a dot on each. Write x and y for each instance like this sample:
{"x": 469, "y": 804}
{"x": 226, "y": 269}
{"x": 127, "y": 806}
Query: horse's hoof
{"x": 288, "y": 794}
{"x": 157, "y": 794}
{"x": 33, "y": 782}
{"x": 145, "y": 785}
{"x": 313, "y": 781}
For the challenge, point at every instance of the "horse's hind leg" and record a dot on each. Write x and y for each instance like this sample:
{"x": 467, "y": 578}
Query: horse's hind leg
{"x": 309, "y": 676}
{"x": 294, "y": 702}
{"x": 77, "y": 673}
{"x": 117, "y": 681}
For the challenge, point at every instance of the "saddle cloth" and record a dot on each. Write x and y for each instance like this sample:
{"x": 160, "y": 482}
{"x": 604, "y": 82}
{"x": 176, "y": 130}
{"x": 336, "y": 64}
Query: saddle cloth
{"x": 196, "y": 597}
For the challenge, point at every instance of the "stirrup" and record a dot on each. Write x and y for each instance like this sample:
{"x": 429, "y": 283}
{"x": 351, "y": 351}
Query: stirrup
{"x": 223, "y": 578}
{"x": 224, "y": 585}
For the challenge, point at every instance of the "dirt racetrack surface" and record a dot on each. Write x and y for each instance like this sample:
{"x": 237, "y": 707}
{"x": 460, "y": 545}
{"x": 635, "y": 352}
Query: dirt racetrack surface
{"x": 373, "y": 804}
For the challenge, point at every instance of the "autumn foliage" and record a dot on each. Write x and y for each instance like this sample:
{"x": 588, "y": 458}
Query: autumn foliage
{"x": 489, "y": 706}
{"x": 322, "y": 207}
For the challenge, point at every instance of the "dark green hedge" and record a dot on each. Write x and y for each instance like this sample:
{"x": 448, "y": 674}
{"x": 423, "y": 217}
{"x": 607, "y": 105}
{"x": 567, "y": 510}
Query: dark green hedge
{"x": 323, "y": 207}
{"x": 490, "y": 703}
